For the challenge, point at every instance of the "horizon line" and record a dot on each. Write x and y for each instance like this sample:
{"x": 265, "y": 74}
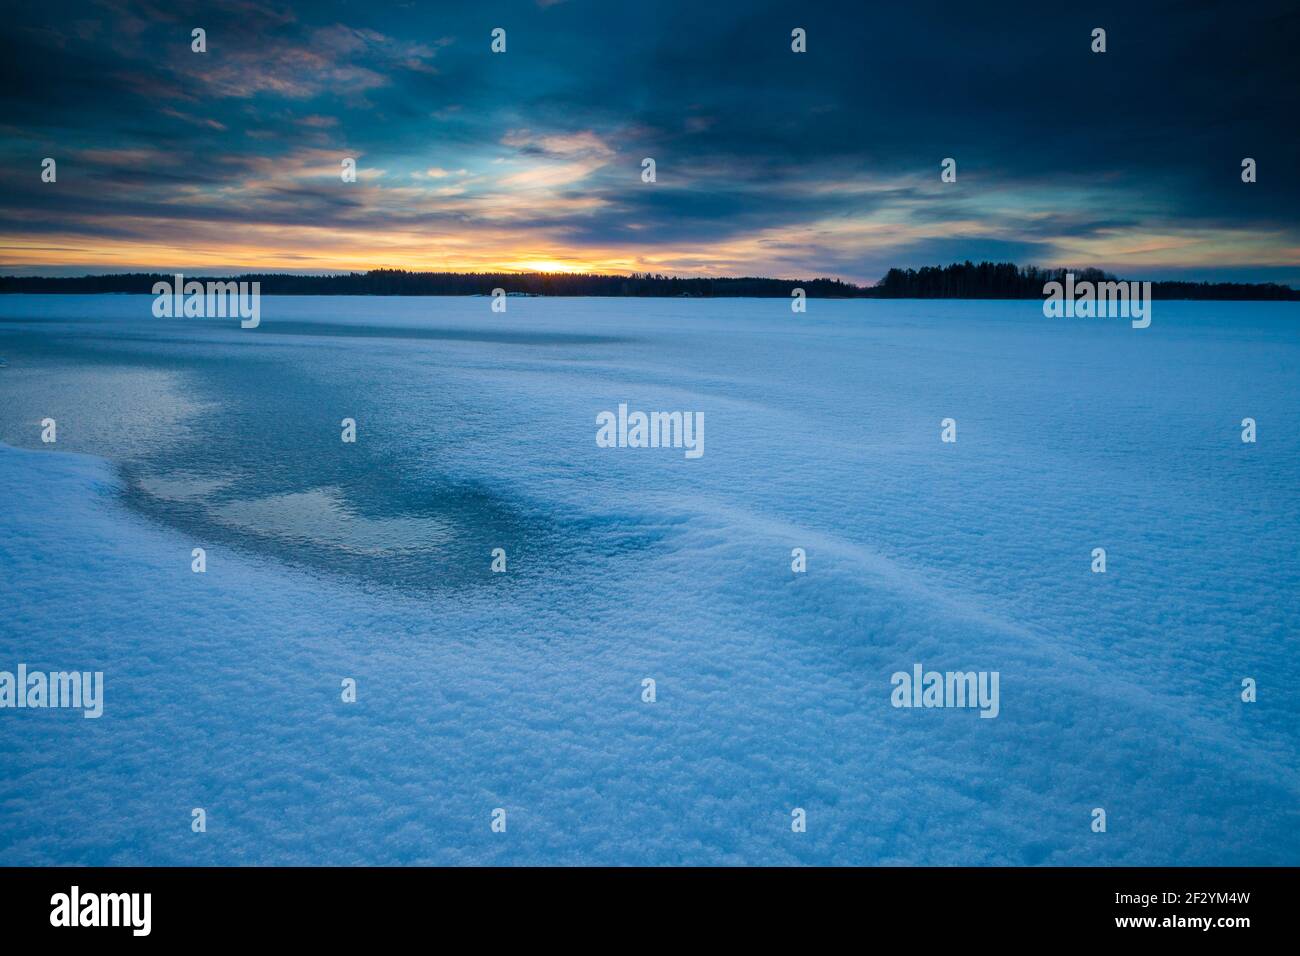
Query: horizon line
{"x": 566, "y": 274}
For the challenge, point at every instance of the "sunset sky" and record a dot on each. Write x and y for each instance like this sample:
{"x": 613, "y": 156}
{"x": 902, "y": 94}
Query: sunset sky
{"x": 768, "y": 162}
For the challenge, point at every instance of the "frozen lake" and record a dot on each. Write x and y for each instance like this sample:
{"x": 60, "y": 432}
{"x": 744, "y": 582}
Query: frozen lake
{"x": 522, "y": 690}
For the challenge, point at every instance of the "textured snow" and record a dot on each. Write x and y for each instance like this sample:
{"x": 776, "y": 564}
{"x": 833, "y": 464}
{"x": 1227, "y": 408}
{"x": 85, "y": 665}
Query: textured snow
{"x": 522, "y": 690}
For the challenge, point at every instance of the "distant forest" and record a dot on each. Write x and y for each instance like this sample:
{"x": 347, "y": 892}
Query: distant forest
{"x": 1005, "y": 280}
{"x": 400, "y": 282}
{"x": 965, "y": 280}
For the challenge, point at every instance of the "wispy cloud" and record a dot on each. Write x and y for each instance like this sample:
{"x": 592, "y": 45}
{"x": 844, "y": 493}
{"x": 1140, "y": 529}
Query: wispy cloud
{"x": 767, "y": 161}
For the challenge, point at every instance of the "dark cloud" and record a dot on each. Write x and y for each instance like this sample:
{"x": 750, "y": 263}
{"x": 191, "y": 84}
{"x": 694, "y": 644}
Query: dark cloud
{"x": 1127, "y": 158}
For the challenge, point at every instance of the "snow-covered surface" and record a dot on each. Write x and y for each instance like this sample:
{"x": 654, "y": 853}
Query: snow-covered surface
{"x": 523, "y": 690}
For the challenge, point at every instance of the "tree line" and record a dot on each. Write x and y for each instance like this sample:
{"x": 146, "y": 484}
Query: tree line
{"x": 962, "y": 280}
{"x": 1005, "y": 280}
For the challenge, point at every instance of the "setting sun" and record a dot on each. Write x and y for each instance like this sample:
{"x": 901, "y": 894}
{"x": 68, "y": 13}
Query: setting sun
{"x": 549, "y": 265}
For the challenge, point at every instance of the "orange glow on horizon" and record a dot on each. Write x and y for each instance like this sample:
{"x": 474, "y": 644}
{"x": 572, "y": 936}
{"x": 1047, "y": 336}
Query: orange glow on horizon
{"x": 789, "y": 251}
